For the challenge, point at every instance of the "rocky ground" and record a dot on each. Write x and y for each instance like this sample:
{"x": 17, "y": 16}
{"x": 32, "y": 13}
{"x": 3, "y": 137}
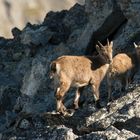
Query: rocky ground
{"x": 27, "y": 101}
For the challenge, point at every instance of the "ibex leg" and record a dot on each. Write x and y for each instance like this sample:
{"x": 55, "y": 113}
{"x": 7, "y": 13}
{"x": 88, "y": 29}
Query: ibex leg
{"x": 77, "y": 96}
{"x": 64, "y": 87}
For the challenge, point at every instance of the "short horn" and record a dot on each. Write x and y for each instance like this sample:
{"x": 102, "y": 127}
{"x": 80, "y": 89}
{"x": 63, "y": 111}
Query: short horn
{"x": 100, "y": 44}
{"x": 135, "y": 45}
{"x": 107, "y": 41}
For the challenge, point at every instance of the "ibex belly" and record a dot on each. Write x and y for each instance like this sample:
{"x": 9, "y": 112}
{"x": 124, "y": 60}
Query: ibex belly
{"x": 79, "y": 84}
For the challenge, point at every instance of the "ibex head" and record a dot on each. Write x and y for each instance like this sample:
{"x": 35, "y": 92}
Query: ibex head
{"x": 105, "y": 51}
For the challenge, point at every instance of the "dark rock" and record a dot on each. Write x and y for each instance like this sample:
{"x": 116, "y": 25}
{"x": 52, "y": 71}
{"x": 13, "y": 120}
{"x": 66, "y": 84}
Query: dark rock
{"x": 32, "y": 26}
{"x": 54, "y": 22}
{"x": 40, "y": 36}
{"x": 16, "y": 33}
{"x": 54, "y": 18}
{"x": 64, "y": 23}
{"x": 3, "y": 41}
{"x": 108, "y": 29}
{"x": 61, "y": 132}
{"x": 8, "y": 96}
{"x": 24, "y": 124}
{"x": 76, "y": 17}
{"x": 92, "y": 136}
{"x": 10, "y": 117}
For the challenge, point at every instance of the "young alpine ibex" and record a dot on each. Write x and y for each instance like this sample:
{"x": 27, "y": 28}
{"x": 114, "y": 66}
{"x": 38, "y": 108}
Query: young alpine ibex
{"x": 123, "y": 68}
{"x": 80, "y": 71}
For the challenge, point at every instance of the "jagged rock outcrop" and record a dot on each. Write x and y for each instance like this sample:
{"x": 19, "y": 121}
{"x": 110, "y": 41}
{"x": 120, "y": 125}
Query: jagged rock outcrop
{"x": 18, "y": 13}
{"x": 27, "y": 100}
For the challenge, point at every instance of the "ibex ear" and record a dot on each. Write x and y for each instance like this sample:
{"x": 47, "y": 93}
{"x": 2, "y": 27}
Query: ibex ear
{"x": 111, "y": 43}
{"x": 136, "y": 46}
{"x": 98, "y": 48}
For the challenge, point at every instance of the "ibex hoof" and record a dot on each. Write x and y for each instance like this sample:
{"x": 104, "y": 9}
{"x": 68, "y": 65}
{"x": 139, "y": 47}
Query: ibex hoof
{"x": 69, "y": 113}
{"x": 97, "y": 104}
{"x": 76, "y": 107}
{"x": 55, "y": 112}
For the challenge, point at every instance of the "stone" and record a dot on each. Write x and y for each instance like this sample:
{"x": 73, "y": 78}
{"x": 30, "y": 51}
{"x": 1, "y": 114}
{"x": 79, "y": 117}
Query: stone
{"x": 17, "y": 56}
{"x": 24, "y": 124}
{"x": 16, "y": 33}
{"x": 39, "y": 36}
{"x": 33, "y": 79}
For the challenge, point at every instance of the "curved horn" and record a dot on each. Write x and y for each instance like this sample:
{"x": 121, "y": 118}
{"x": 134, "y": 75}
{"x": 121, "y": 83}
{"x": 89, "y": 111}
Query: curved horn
{"x": 107, "y": 41}
{"x": 135, "y": 45}
{"x": 100, "y": 44}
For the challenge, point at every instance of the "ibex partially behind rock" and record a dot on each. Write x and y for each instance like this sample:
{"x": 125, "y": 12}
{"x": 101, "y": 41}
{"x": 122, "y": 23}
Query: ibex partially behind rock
{"x": 137, "y": 48}
{"x": 123, "y": 68}
{"x": 80, "y": 71}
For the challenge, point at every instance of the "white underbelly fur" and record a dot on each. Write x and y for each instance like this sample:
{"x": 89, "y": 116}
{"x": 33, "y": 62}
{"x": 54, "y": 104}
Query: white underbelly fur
{"x": 77, "y": 84}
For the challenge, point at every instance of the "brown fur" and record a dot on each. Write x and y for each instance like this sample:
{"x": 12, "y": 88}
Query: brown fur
{"x": 123, "y": 67}
{"x": 79, "y": 71}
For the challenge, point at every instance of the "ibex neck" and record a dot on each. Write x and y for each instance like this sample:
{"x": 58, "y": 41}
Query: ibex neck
{"x": 97, "y": 61}
{"x": 101, "y": 72}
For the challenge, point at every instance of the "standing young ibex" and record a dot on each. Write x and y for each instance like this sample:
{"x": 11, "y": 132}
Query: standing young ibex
{"x": 80, "y": 71}
{"x": 123, "y": 68}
